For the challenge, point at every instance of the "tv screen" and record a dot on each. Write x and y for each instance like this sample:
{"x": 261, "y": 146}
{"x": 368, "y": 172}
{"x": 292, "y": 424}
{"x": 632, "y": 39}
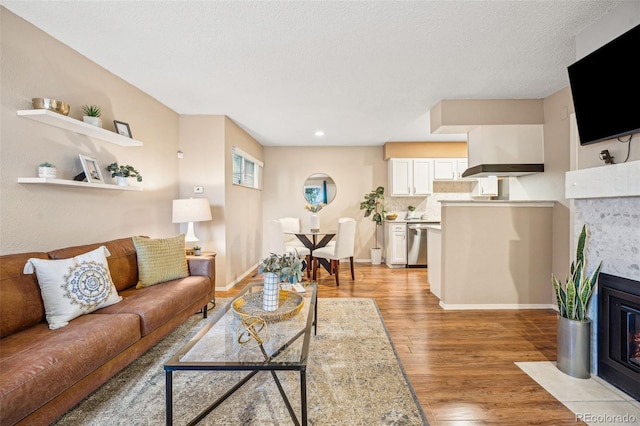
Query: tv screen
{"x": 605, "y": 86}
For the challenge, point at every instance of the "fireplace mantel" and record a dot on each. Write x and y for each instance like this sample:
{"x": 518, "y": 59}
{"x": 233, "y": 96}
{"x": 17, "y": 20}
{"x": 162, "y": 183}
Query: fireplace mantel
{"x": 615, "y": 180}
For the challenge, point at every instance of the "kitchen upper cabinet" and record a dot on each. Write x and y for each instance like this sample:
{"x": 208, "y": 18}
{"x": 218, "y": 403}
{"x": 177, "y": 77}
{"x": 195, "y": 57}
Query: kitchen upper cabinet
{"x": 449, "y": 168}
{"x": 486, "y": 187}
{"x": 410, "y": 176}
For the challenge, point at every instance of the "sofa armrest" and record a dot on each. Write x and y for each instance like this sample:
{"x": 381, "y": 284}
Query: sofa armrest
{"x": 205, "y": 266}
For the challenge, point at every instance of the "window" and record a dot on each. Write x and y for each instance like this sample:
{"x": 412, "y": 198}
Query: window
{"x": 247, "y": 171}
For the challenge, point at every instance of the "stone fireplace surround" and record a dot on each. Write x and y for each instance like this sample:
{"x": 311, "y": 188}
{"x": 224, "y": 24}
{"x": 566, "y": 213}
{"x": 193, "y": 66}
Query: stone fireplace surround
{"x": 607, "y": 200}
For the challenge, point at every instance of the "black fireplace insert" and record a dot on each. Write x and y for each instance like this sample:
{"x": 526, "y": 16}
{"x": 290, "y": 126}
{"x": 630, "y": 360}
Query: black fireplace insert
{"x": 619, "y": 333}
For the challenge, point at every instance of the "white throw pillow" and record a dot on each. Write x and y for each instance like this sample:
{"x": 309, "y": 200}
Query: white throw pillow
{"x": 75, "y": 286}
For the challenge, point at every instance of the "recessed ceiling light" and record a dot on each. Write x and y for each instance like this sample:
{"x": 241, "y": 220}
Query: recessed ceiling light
{"x": 319, "y": 133}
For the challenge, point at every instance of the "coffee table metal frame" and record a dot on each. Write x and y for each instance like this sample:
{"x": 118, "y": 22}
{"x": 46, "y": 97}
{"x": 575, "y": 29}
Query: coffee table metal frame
{"x": 269, "y": 364}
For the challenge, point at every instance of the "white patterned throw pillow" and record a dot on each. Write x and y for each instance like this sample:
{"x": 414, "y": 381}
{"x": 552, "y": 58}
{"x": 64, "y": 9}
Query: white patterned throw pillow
{"x": 75, "y": 286}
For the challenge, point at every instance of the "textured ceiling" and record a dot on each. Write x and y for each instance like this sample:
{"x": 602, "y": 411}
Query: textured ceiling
{"x": 365, "y": 72}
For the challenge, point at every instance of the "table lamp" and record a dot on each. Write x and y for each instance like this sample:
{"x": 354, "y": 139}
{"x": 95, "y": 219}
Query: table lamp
{"x": 191, "y": 210}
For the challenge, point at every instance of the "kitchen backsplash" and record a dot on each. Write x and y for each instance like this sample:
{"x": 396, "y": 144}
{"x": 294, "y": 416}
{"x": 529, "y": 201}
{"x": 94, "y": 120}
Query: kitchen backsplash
{"x": 430, "y": 205}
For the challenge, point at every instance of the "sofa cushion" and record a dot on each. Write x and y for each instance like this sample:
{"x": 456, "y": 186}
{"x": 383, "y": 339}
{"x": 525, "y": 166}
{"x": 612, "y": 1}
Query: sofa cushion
{"x": 43, "y": 363}
{"x": 75, "y": 286}
{"x": 19, "y": 290}
{"x": 156, "y": 305}
{"x": 123, "y": 262}
{"x": 160, "y": 260}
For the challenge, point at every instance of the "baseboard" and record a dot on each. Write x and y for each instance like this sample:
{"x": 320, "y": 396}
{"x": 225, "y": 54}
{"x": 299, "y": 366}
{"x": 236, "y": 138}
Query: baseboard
{"x": 470, "y": 306}
{"x": 237, "y": 280}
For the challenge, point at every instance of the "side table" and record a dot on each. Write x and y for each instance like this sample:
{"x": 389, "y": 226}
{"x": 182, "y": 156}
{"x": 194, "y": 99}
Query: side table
{"x": 212, "y": 273}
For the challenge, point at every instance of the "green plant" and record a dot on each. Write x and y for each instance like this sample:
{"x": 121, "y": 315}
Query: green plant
{"x": 286, "y": 266}
{"x": 46, "y": 164}
{"x": 91, "y": 110}
{"x": 373, "y": 206}
{"x": 123, "y": 171}
{"x": 574, "y": 295}
{"x": 314, "y": 208}
{"x": 411, "y": 208}
{"x": 197, "y": 248}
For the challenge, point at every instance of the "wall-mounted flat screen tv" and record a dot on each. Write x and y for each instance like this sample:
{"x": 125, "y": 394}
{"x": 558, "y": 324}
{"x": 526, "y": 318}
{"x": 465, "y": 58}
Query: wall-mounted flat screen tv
{"x": 605, "y": 86}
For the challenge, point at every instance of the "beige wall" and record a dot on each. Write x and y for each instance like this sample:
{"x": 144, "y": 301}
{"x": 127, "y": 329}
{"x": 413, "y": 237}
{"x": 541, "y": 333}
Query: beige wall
{"x": 202, "y": 142}
{"x": 44, "y": 217}
{"x": 355, "y": 170}
{"x": 496, "y": 255}
{"x": 243, "y": 208}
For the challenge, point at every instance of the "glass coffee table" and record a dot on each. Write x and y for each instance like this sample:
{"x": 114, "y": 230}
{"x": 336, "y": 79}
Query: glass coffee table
{"x": 242, "y": 337}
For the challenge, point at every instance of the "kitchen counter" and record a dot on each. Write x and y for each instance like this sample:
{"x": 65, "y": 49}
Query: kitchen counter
{"x": 497, "y": 203}
{"x": 494, "y": 255}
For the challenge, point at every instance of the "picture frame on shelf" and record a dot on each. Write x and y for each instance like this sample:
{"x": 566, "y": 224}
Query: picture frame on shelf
{"x": 91, "y": 169}
{"x": 122, "y": 128}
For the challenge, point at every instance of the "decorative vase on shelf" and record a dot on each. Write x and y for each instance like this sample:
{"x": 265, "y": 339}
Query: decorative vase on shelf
{"x": 314, "y": 222}
{"x": 271, "y": 292}
{"x": 122, "y": 181}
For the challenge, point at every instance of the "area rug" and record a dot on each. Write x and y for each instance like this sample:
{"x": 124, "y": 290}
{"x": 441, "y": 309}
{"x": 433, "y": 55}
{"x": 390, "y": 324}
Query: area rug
{"x": 354, "y": 377}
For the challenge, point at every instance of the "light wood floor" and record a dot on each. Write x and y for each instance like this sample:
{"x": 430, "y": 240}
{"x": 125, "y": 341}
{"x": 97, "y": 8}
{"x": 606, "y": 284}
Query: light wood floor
{"x": 460, "y": 363}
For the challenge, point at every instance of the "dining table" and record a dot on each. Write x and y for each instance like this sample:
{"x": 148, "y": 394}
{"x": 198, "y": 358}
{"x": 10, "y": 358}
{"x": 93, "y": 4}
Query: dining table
{"x": 313, "y": 239}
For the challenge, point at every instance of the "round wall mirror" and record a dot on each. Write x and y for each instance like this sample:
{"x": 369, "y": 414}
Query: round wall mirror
{"x": 319, "y": 188}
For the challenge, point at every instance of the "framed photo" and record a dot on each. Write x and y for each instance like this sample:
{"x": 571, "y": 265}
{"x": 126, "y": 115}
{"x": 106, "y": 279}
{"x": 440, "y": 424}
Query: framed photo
{"x": 122, "y": 128}
{"x": 91, "y": 169}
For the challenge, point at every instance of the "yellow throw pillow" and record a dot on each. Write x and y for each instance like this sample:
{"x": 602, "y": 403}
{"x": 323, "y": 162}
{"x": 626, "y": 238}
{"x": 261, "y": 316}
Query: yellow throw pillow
{"x": 160, "y": 260}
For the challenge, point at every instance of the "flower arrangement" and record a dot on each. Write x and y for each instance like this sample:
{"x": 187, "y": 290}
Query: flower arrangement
{"x": 286, "y": 266}
{"x": 314, "y": 208}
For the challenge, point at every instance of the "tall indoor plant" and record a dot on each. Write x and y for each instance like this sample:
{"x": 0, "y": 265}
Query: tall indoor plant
{"x": 574, "y": 327}
{"x": 373, "y": 206}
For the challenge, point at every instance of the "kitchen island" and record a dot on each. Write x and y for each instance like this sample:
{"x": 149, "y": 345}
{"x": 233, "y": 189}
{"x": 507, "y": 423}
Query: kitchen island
{"x": 495, "y": 255}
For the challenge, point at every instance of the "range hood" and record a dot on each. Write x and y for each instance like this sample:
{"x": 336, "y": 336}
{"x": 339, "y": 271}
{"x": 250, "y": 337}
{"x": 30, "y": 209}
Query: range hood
{"x": 501, "y": 170}
{"x": 505, "y": 136}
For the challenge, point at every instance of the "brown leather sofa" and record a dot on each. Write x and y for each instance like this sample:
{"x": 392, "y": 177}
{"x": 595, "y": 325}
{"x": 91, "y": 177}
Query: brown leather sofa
{"x": 43, "y": 372}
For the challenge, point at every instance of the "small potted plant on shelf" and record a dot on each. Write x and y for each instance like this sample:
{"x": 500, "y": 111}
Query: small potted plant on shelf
{"x": 46, "y": 170}
{"x": 373, "y": 206}
{"x": 123, "y": 172}
{"x": 197, "y": 250}
{"x": 92, "y": 115}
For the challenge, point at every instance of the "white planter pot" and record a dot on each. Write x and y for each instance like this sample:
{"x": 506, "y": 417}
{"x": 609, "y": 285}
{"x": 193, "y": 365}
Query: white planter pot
{"x": 376, "y": 256}
{"x": 47, "y": 172}
{"x": 122, "y": 181}
{"x": 271, "y": 292}
{"x": 94, "y": 121}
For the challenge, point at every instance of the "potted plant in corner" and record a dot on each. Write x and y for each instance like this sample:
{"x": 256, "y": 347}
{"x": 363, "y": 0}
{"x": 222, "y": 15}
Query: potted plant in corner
{"x": 46, "y": 170}
{"x": 574, "y": 327}
{"x": 123, "y": 172}
{"x": 92, "y": 115}
{"x": 373, "y": 206}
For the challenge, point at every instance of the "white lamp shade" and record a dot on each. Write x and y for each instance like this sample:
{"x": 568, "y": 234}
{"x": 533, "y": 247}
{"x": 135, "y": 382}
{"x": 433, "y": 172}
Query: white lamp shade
{"x": 189, "y": 211}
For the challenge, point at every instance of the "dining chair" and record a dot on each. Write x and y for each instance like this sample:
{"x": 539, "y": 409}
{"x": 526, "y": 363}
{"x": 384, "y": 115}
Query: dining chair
{"x": 291, "y": 225}
{"x": 279, "y": 245}
{"x": 340, "y": 219}
{"x": 344, "y": 247}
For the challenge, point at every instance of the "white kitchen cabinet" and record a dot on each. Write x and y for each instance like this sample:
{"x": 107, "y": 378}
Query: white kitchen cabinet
{"x": 486, "y": 187}
{"x": 395, "y": 245}
{"x": 410, "y": 176}
{"x": 449, "y": 168}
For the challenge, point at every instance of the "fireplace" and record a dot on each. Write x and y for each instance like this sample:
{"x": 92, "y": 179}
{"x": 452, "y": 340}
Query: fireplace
{"x": 619, "y": 333}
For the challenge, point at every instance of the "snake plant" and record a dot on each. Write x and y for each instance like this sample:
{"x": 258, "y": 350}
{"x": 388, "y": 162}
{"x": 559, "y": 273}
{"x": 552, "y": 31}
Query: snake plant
{"x": 574, "y": 296}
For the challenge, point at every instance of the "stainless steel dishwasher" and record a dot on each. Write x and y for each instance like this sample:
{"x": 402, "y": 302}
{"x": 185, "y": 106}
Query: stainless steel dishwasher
{"x": 417, "y": 245}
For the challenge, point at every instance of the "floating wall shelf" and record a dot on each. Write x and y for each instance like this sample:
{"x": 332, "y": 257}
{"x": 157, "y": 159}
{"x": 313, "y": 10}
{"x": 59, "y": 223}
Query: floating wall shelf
{"x": 63, "y": 122}
{"x": 49, "y": 181}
